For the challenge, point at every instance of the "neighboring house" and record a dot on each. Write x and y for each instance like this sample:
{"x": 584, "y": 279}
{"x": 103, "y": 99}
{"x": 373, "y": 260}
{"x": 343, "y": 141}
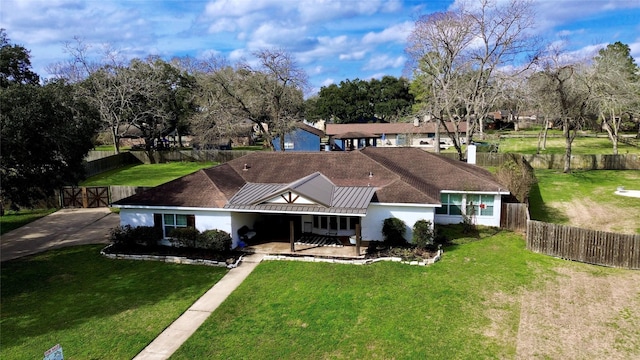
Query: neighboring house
{"x": 327, "y": 193}
{"x": 416, "y": 134}
{"x": 303, "y": 138}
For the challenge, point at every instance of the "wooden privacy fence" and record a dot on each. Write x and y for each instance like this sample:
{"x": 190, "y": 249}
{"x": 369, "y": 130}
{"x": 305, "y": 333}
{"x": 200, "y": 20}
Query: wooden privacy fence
{"x": 100, "y": 165}
{"x": 584, "y": 245}
{"x": 95, "y": 196}
{"x": 514, "y": 216}
{"x": 556, "y": 161}
{"x": 221, "y": 156}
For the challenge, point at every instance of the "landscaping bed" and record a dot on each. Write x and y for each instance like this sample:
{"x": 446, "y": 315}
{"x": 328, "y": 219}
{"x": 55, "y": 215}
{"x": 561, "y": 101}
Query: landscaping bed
{"x": 230, "y": 257}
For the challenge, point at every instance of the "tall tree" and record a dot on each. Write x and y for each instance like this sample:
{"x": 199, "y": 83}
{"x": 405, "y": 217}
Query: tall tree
{"x": 563, "y": 90}
{"x": 269, "y": 95}
{"x": 15, "y": 63}
{"x": 387, "y": 99}
{"x": 456, "y": 54}
{"x": 46, "y": 133}
{"x": 616, "y": 88}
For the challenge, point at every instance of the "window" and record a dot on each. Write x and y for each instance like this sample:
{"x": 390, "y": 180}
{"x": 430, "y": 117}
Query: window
{"x": 343, "y": 223}
{"x": 335, "y": 222}
{"x": 475, "y": 204}
{"x": 480, "y": 205}
{"x": 169, "y": 222}
{"x": 451, "y": 204}
{"x": 401, "y": 140}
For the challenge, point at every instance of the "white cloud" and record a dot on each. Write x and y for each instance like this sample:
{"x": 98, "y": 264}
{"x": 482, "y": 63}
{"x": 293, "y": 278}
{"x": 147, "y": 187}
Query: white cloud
{"x": 381, "y": 62}
{"x": 315, "y": 11}
{"x": 356, "y": 55}
{"x": 328, "y": 82}
{"x": 395, "y": 33}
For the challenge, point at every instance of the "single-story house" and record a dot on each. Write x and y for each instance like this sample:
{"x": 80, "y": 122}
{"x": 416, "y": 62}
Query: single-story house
{"x": 302, "y": 138}
{"x": 327, "y": 193}
{"x": 416, "y": 134}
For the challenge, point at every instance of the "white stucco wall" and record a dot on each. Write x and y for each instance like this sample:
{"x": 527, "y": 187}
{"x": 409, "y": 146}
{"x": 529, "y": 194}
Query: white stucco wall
{"x": 205, "y": 219}
{"x": 377, "y": 213}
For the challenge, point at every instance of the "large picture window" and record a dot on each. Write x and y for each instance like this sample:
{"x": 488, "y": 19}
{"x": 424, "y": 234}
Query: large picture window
{"x": 480, "y": 205}
{"x": 474, "y": 204}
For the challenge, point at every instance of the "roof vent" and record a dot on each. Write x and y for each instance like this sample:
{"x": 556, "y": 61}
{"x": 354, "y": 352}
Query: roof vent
{"x": 245, "y": 168}
{"x": 370, "y": 174}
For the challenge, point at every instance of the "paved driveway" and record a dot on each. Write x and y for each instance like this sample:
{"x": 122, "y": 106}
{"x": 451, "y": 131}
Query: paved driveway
{"x": 66, "y": 227}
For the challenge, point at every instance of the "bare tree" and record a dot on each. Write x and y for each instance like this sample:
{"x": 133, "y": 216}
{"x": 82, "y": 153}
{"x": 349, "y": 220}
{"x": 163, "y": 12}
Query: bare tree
{"x": 459, "y": 53}
{"x": 563, "y": 90}
{"x": 616, "y": 88}
{"x": 97, "y": 75}
{"x": 269, "y": 95}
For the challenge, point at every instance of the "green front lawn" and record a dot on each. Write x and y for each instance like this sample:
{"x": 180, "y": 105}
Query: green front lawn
{"x": 145, "y": 174}
{"x": 95, "y": 308}
{"x": 15, "y": 219}
{"x": 295, "y": 310}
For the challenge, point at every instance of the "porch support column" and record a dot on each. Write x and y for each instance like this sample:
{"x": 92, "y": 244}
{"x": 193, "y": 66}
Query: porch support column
{"x": 291, "y": 236}
{"x": 358, "y": 238}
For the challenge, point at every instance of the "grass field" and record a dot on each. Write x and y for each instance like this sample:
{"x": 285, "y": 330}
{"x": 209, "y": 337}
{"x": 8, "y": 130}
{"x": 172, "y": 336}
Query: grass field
{"x": 487, "y": 298}
{"x": 467, "y": 306}
{"x": 556, "y": 145}
{"x": 96, "y": 308}
{"x": 145, "y": 174}
{"x": 586, "y": 199}
{"x": 15, "y": 219}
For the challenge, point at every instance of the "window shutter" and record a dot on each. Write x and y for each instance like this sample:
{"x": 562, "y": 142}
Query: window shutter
{"x": 191, "y": 221}
{"x": 157, "y": 221}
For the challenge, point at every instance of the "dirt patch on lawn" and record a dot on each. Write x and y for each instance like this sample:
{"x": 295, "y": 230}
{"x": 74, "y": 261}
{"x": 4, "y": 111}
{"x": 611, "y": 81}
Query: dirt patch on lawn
{"x": 588, "y": 214}
{"x": 582, "y": 314}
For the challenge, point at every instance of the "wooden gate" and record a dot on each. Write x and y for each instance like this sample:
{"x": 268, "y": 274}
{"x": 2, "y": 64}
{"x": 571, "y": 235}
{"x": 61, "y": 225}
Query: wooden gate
{"x": 85, "y": 196}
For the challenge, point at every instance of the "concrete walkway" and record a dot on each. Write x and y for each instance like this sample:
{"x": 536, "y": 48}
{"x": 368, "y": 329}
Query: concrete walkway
{"x": 66, "y": 227}
{"x": 181, "y": 329}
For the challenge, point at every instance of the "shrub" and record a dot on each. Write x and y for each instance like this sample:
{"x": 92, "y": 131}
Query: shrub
{"x": 130, "y": 236}
{"x": 393, "y": 230}
{"x": 423, "y": 234}
{"x": 517, "y": 175}
{"x": 121, "y": 235}
{"x": 216, "y": 240}
{"x": 147, "y": 235}
{"x": 186, "y": 237}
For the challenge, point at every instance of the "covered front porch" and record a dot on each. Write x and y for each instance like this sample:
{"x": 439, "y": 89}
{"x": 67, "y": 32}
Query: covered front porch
{"x": 311, "y": 245}
{"x": 313, "y": 235}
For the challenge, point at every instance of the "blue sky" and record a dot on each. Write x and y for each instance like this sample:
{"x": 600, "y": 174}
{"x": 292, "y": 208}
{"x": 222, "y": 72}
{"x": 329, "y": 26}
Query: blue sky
{"x": 332, "y": 40}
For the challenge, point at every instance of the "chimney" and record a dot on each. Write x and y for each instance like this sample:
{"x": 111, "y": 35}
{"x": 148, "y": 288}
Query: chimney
{"x": 416, "y": 122}
{"x": 471, "y": 154}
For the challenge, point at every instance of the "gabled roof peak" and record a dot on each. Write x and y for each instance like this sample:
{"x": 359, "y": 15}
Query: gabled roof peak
{"x": 316, "y": 187}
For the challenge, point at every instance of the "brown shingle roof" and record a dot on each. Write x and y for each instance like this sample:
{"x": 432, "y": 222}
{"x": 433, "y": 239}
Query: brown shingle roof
{"x": 311, "y": 129}
{"x": 399, "y": 175}
{"x": 388, "y": 128}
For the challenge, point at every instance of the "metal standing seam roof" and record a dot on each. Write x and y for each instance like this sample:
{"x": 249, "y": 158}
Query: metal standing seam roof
{"x": 343, "y": 199}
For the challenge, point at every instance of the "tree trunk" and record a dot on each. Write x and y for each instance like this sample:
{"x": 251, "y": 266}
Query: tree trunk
{"x": 568, "y": 140}
{"x": 116, "y": 140}
{"x": 436, "y": 141}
